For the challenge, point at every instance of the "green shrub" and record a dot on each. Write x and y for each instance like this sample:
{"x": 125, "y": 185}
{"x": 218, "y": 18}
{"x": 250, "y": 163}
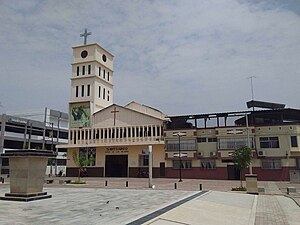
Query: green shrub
{"x": 239, "y": 189}
{"x": 78, "y": 182}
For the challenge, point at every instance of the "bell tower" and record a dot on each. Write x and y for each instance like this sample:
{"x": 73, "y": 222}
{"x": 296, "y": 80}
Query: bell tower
{"x": 91, "y": 82}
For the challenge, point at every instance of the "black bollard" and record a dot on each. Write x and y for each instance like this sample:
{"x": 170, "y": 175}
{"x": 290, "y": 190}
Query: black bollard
{"x": 106, "y": 183}
{"x": 2, "y": 180}
{"x": 200, "y": 186}
{"x": 175, "y": 185}
{"x": 126, "y": 183}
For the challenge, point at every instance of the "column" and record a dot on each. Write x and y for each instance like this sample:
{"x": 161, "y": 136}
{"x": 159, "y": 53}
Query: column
{"x": 133, "y": 135}
{"x": 3, "y": 123}
{"x": 93, "y": 135}
{"x": 70, "y": 141}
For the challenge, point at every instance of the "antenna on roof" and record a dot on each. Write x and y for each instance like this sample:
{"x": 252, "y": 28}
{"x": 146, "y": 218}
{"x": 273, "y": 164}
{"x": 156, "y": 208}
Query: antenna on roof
{"x": 252, "y": 92}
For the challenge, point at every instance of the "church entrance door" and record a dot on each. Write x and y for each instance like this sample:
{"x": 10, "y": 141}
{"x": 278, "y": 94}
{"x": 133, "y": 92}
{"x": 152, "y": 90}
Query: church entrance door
{"x": 116, "y": 165}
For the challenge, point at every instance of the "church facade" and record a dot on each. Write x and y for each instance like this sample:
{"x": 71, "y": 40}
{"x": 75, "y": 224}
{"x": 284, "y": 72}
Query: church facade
{"x": 116, "y": 138}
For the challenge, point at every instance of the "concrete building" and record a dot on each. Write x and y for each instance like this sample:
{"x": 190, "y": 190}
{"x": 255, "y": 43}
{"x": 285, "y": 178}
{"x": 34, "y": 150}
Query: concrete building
{"x": 116, "y": 137}
{"x": 35, "y": 129}
{"x": 273, "y": 136}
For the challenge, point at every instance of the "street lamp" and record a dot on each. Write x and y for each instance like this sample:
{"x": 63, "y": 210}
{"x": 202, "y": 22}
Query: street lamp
{"x": 248, "y": 141}
{"x": 179, "y": 134}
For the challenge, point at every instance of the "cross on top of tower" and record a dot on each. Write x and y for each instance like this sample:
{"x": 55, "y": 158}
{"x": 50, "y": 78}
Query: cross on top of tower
{"x": 85, "y": 34}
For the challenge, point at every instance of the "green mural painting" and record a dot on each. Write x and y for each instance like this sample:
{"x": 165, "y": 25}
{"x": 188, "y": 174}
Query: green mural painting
{"x": 80, "y": 115}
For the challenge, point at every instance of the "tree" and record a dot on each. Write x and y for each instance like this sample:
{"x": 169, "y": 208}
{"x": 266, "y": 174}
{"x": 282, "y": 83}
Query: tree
{"x": 242, "y": 159}
{"x": 81, "y": 160}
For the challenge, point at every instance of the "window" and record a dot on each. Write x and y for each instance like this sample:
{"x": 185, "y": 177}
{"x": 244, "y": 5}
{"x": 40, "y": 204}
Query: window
{"x": 99, "y": 91}
{"x": 89, "y": 69}
{"x": 82, "y": 90}
{"x": 184, "y": 145}
{"x": 108, "y": 76}
{"x": 83, "y": 70}
{"x": 103, "y": 74}
{"x": 271, "y": 163}
{"x": 88, "y": 90}
{"x": 99, "y": 71}
{"x": 234, "y": 143}
{"x": 143, "y": 160}
{"x": 61, "y": 162}
{"x": 77, "y": 72}
{"x": 103, "y": 93}
{"x": 207, "y": 164}
{"x": 76, "y": 91}
{"x": 5, "y": 162}
{"x": 294, "y": 141}
{"x": 201, "y": 139}
{"x": 269, "y": 142}
{"x": 212, "y": 139}
{"x": 298, "y": 163}
{"x": 185, "y": 164}
{"x": 107, "y": 95}
{"x": 88, "y": 153}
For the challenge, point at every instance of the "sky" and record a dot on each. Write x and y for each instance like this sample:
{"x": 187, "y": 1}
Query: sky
{"x": 178, "y": 56}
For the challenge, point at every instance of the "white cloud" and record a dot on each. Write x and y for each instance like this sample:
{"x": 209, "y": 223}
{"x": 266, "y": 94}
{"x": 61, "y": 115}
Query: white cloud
{"x": 177, "y": 56}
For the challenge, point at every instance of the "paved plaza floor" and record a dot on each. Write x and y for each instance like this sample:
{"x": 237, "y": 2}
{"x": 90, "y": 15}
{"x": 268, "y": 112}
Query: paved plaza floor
{"x": 96, "y": 203}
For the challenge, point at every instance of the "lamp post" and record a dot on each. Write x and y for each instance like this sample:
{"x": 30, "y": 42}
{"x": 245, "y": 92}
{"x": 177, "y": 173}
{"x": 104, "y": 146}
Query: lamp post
{"x": 179, "y": 134}
{"x": 248, "y": 142}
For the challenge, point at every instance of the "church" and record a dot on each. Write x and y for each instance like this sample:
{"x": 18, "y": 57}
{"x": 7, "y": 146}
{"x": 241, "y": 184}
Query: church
{"x": 115, "y": 138}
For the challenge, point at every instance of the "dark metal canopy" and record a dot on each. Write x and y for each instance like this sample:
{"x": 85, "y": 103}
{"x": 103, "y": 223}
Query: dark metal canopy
{"x": 259, "y": 117}
{"x": 265, "y": 105}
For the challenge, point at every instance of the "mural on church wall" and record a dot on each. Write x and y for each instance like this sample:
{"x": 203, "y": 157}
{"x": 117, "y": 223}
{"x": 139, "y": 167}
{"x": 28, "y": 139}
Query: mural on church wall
{"x": 80, "y": 115}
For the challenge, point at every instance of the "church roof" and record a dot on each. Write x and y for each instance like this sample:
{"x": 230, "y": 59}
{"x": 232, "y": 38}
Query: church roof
{"x": 144, "y": 109}
{"x": 132, "y": 106}
{"x": 116, "y": 115}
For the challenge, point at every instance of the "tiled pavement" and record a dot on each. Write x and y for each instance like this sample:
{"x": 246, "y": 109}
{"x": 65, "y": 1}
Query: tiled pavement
{"x": 269, "y": 211}
{"x": 88, "y": 204}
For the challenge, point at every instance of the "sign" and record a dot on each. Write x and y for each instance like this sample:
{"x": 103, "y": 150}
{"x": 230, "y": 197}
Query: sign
{"x": 116, "y": 150}
{"x": 16, "y": 120}
{"x": 234, "y": 131}
{"x": 181, "y": 155}
{"x": 80, "y": 115}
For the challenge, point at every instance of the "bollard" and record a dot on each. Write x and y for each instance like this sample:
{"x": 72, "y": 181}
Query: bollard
{"x": 200, "y": 186}
{"x": 175, "y": 186}
{"x": 105, "y": 183}
{"x": 2, "y": 180}
{"x": 126, "y": 183}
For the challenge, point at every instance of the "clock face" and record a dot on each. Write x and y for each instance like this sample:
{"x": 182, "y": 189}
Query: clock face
{"x": 84, "y": 54}
{"x": 104, "y": 58}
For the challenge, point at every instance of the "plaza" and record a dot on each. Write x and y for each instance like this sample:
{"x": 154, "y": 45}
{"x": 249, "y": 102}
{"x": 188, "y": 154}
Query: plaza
{"x": 109, "y": 201}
